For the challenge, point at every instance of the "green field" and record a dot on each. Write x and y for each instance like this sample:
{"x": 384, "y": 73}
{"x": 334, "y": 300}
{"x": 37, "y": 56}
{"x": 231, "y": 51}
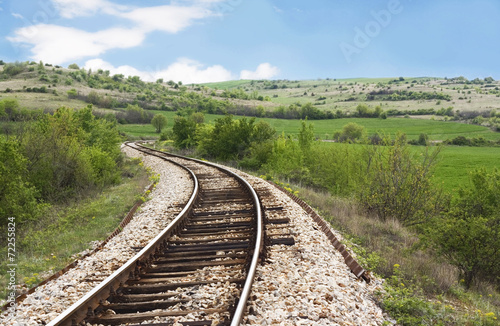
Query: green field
{"x": 436, "y": 130}
{"x": 455, "y": 163}
{"x": 324, "y": 129}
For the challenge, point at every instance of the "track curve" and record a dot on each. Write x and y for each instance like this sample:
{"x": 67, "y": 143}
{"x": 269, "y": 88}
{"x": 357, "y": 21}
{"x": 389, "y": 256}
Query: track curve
{"x": 220, "y": 229}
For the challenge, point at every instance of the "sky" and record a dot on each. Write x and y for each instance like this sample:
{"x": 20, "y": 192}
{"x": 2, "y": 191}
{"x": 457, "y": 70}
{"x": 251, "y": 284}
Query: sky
{"x": 196, "y": 41}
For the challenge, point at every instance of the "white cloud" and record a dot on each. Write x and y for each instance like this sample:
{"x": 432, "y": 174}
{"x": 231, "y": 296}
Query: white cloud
{"x": 18, "y": 16}
{"x": 185, "y": 70}
{"x": 76, "y": 8}
{"x": 171, "y": 19}
{"x": 190, "y": 71}
{"x": 57, "y": 44}
{"x": 264, "y": 71}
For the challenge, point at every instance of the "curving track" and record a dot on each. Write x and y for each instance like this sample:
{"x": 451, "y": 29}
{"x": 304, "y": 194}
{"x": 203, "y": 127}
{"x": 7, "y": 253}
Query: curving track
{"x": 199, "y": 270}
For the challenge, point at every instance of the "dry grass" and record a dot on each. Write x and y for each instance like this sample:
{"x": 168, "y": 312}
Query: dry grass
{"x": 394, "y": 243}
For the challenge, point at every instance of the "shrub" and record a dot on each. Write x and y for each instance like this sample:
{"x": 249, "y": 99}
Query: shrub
{"x": 469, "y": 234}
{"x": 72, "y": 93}
{"x": 405, "y": 303}
{"x": 12, "y": 69}
{"x": 70, "y": 152}
{"x": 135, "y": 114}
{"x": 229, "y": 138}
{"x": 351, "y": 132}
{"x": 184, "y": 132}
{"x": 93, "y": 98}
{"x": 17, "y": 195}
{"x": 399, "y": 183}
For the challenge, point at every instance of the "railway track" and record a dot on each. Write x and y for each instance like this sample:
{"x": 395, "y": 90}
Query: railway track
{"x": 199, "y": 270}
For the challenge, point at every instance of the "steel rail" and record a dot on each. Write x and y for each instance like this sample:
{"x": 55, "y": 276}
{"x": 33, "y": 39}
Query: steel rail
{"x": 75, "y": 312}
{"x": 247, "y": 288}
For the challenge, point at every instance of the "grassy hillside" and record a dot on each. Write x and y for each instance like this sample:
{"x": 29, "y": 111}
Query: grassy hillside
{"x": 346, "y": 94}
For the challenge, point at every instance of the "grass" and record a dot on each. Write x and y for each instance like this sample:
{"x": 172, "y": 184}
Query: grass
{"x": 455, "y": 163}
{"x": 67, "y": 229}
{"x": 138, "y": 130}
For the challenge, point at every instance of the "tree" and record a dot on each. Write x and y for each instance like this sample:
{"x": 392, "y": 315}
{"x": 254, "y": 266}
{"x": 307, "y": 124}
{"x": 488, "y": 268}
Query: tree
{"x": 363, "y": 110}
{"x": 69, "y": 152}
{"x": 159, "y": 121}
{"x": 230, "y": 138}
{"x": 351, "y": 132}
{"x": 469, "y": 234}
{"x": 118, "y": 77}
{"x": 73, "y": 66}
{"x": 423, "y": 139}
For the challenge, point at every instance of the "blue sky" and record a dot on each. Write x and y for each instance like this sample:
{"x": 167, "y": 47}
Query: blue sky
{"x": 216, "y": 40}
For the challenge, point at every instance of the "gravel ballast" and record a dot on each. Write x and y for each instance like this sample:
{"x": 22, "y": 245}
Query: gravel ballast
{"x": 308, "y": 283}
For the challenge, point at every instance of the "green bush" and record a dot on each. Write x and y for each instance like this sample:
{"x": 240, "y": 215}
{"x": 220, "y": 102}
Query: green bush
{"x": 12, "y": 69}
{"x": 468, "y": 236}
{"x": 406, "y": 303}
{"x": 351, "y": 132}
{"x": 17, "y": 195}
{"x": 399, "y": 183}
{"x": 231, "y": 139}
{"x": 72, "y": 93}
{"x": 184, "y": 131}
{"x": 70, "y": 152}
{"x": 287, "y": 159}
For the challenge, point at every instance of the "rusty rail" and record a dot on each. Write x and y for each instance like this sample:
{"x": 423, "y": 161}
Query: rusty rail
{"x": 78, "y": 311}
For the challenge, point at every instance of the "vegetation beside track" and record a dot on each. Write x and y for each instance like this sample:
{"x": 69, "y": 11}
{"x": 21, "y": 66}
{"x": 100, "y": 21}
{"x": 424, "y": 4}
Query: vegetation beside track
{"x": 63, "y": 183}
